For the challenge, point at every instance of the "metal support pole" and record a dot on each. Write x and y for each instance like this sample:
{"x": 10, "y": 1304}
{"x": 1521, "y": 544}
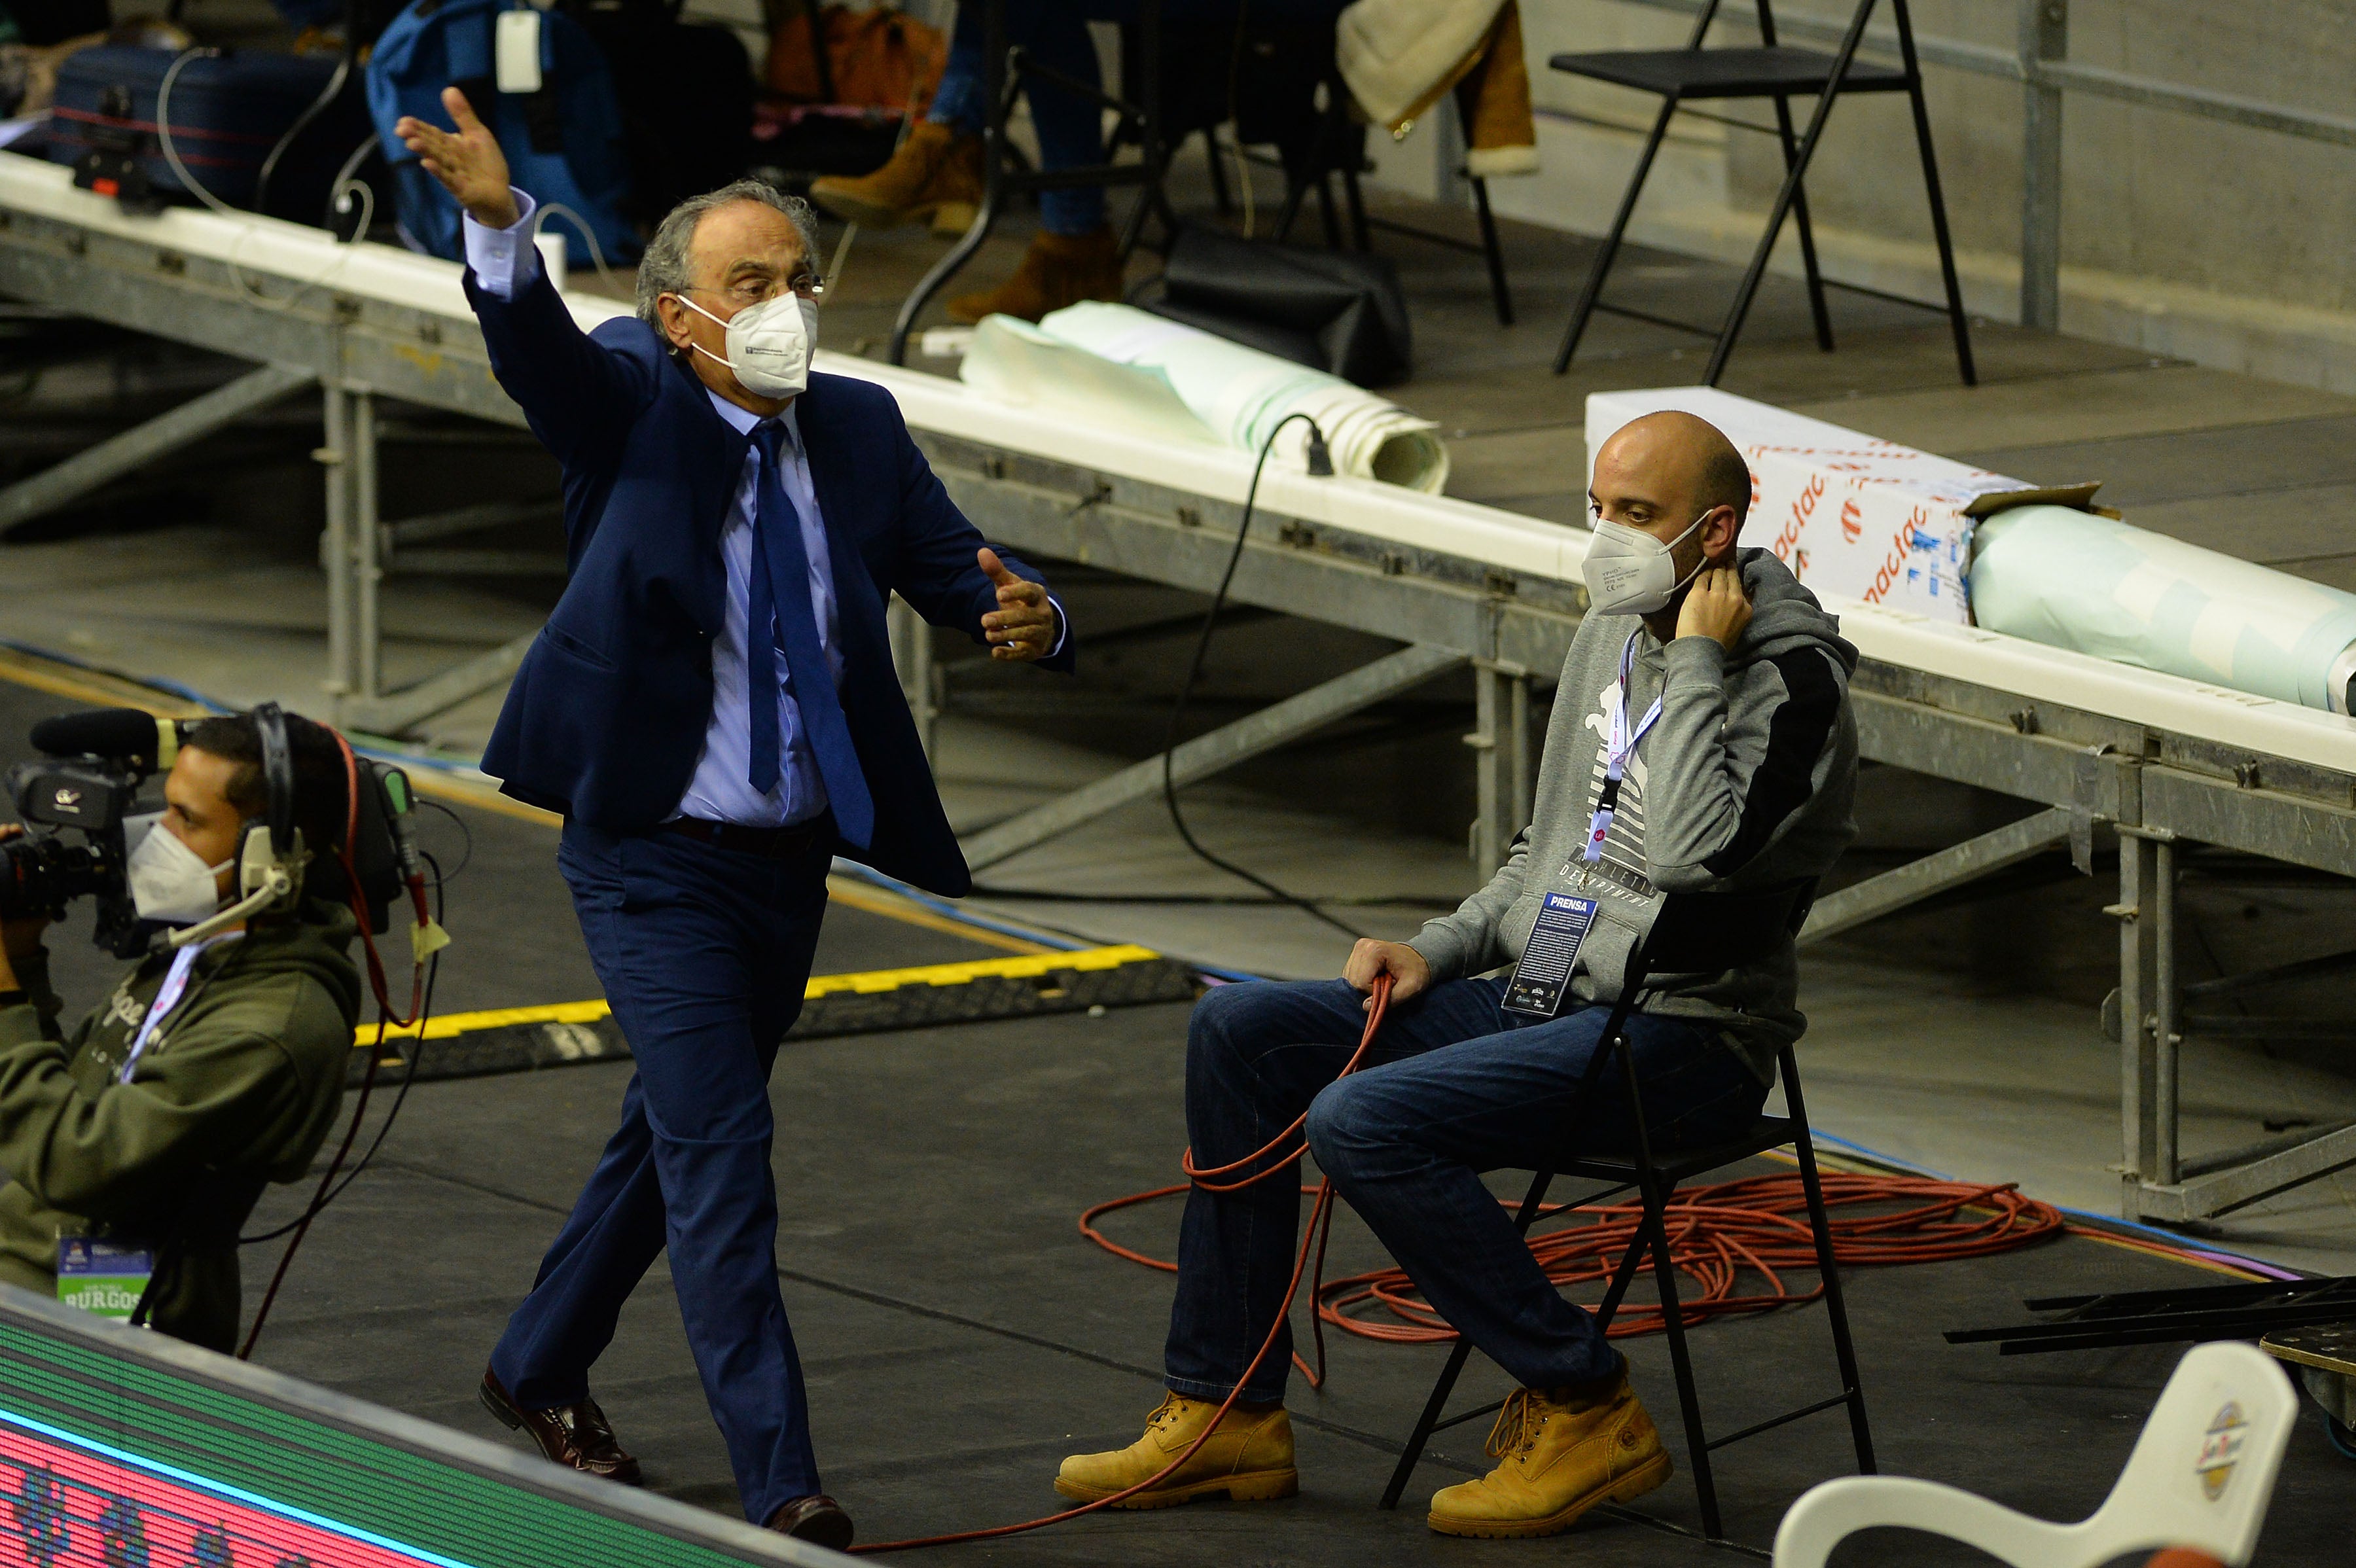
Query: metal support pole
{"x": 2148, "y": 1032}
{"x": 1221, "y": 749}
{"x": 368, "y": 550}
{"x": 911, "y": 658}
{"x": 336, "y": 544}
{"x": 2044, "y": 36}
{"x": 1501, "y": 748}
{"x": 117, "y": 455}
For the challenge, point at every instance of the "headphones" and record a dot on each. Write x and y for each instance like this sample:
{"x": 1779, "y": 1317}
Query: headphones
{"x": 270, "y": 852}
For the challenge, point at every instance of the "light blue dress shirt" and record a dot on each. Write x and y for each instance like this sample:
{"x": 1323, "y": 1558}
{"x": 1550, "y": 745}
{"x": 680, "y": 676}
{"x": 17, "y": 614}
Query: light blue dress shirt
{"x": 505, "y": 260}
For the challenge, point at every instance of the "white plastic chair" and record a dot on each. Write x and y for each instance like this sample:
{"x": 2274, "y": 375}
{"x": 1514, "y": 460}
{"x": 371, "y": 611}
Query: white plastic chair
{"x": 2200, "y": 1477}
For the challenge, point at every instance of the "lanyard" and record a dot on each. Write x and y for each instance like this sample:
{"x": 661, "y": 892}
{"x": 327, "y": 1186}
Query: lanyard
{"x": 167, "y": 997}
{"x": 1617, "y": 749}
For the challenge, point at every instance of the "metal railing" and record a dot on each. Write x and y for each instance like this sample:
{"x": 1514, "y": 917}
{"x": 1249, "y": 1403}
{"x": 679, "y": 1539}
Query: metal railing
{"x": 2040, "y": 62}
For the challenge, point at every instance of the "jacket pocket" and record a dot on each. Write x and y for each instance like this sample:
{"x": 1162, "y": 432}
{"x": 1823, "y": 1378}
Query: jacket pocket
{"x": 566, "y": 643}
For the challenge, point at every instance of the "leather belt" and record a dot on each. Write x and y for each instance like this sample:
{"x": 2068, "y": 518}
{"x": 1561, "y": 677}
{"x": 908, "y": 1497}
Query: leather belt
{"x": 787, "y": 842}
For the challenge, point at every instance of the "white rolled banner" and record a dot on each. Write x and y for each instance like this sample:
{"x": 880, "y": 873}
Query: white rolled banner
{"x": 1183, "y": 383}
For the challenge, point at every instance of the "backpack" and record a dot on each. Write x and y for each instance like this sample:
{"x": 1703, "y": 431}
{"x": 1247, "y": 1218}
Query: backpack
{"x": 562, "y": 142}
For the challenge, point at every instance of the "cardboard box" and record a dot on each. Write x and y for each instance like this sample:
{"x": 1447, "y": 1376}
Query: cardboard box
{"x": 1849, "y": 513}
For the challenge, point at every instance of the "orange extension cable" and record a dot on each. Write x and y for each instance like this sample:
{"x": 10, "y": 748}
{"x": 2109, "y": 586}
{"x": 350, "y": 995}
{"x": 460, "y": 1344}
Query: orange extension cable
{"x": 1320, "y": 1217}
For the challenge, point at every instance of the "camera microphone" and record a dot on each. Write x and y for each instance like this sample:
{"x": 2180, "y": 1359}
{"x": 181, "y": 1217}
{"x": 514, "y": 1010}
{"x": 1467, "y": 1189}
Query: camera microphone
{"x": 128, "y": 734}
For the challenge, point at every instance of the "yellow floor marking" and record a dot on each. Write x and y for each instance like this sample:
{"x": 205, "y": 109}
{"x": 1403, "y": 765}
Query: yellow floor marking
{"x": 62, "y": 679}
{"x": 1026, "y": 967}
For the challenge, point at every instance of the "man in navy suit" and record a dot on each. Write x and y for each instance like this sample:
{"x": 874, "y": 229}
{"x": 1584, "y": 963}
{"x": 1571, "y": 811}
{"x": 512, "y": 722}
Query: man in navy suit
{"x": 712, "y": 708}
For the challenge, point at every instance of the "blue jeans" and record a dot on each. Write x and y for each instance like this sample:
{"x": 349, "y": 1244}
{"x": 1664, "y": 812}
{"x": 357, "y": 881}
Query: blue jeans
{"x": 1451, "y": 1089}
{"x": 703, "y": 954}
{"x": 1070, "y": 127}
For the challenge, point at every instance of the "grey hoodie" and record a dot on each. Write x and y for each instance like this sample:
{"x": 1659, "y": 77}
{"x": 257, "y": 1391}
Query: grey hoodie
{"x": 1745, "y": 782}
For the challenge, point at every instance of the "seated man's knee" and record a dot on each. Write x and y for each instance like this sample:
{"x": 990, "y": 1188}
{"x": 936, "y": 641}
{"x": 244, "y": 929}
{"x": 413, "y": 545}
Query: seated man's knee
{"x": 1345, "y": 1130}
{"x": 1233, "y": 1026}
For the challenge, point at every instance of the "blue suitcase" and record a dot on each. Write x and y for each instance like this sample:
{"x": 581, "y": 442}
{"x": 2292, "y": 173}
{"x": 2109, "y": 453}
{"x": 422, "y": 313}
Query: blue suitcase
{"x": 229, "y": 113}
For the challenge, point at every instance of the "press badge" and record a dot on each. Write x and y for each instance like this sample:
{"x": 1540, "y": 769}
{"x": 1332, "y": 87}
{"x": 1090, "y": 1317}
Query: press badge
{"x": 103, "y": 1277}
{"x": 1540, "y": 978}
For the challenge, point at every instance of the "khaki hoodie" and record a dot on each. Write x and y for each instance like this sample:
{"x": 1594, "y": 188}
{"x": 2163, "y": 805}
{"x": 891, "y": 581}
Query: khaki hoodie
{"x": 1746, "y": 782}
{"x": 236, "y": 1089}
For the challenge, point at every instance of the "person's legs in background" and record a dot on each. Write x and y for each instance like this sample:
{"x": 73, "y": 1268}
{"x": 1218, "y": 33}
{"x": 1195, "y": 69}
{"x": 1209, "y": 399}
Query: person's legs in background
{"x": 1255, "y": 1056}
{"x": 1406, "y": 1144}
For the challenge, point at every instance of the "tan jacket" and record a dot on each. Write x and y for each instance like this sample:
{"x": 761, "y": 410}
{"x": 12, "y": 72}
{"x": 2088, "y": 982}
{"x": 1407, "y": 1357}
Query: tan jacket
{"x": 1398, "y": 56}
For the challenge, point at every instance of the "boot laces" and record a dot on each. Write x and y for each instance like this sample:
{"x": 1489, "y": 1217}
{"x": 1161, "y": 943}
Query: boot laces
{"x": 1518, "y": 1423}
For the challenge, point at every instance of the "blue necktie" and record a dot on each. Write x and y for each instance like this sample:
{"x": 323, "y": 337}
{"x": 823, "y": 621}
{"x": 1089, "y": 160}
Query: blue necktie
{"x": 781, "y": 617}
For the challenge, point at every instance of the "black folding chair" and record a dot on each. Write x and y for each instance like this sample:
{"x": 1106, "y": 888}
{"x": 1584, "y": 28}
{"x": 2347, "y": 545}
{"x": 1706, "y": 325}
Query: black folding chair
{"x": 1697, "y": 933}
{"x": 1777, "y": 73}
{"x": 1004, "y": 70}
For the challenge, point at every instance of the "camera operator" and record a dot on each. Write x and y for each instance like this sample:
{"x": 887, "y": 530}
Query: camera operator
{"x": 215, "y": 1069}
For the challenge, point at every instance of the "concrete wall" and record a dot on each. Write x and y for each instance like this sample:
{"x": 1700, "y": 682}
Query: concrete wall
{"x": 2182, "y": 235}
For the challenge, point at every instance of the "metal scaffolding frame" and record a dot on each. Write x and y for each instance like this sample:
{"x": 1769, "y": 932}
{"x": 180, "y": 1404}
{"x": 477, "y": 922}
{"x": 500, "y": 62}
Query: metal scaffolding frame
{"x": 2082, "y": 771}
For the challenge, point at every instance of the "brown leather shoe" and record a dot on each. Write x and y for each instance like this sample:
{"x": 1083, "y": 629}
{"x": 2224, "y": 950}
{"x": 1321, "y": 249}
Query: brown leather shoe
{"x": 819, "y": 1519}
{"x": 935, "y": 174}
{"x": 574, "y": 1435}
{"x": 1057, "y": 271}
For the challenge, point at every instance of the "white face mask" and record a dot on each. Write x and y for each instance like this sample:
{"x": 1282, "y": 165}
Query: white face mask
{"x": 169, "y": 882}
{"x": 769, "y": 344}
{"x": 1629, "y": 572}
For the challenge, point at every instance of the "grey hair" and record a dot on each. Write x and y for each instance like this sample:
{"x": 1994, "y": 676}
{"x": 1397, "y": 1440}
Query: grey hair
{"x": 666, "y": 266}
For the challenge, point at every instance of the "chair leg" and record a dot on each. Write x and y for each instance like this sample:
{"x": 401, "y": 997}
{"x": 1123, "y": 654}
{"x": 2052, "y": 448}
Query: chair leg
{"x": 1584, "y": 311}
{"x": 1816, "y": 306}
{"x": 1493, "y": 252}
{"x": 1621, "y": 1278}
{"x": 1356, "y": 198}
{"x": 1680, "y": 1357}
{"x": 1219, "y": 197}
{"x": 1844, "y": 1348}
{"x": 1842, "y": 58}
{"x": 1412, "y": 1454}
{"x": 998, "y": 85}
{"x": 1326, "y": 212}
{"x": 1956, "y": 319}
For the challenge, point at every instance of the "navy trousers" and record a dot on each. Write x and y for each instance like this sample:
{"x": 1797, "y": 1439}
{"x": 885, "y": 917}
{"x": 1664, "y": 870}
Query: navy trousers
{"x": 1456, "y": 1087}
{"x": 705, "y": 954}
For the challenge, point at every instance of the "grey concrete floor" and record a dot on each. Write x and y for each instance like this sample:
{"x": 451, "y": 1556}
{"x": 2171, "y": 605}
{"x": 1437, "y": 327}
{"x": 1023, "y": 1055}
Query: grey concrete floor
{"x": 1962, "y": 1038}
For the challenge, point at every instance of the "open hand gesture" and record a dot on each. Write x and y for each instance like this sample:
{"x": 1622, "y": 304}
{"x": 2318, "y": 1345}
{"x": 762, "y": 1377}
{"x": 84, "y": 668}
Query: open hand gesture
{"x": 468, "y": 162}
{"x": 1023, "y": 627}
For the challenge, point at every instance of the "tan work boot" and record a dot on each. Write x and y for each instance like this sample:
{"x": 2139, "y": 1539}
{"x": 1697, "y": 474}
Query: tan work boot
{"x": 1249, "y": 1458}
{"x": 1562, "y": 1457}
{"x": 936, "y": 174}
{"x": 1057, "y": 271}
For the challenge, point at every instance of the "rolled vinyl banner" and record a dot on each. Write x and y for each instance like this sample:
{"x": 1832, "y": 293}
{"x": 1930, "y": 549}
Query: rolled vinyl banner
{"x": 2093, "y": 585}
{"x": 1237, "y": 395}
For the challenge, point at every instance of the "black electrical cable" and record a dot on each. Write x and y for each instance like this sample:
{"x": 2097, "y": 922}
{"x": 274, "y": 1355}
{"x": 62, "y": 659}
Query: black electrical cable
{"x": 393, "y": 1113}
{"x": 319, "y": 106}
{"x": 1320, "y": 462}
{"x": 464, "y": 860}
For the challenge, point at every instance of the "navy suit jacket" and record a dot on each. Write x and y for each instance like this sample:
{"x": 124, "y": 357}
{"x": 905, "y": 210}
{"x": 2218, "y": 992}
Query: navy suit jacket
{"x": 606, "y": 719}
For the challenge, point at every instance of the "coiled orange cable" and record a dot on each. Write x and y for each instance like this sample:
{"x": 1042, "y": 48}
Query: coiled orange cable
{"x": 1318, "y": 1219}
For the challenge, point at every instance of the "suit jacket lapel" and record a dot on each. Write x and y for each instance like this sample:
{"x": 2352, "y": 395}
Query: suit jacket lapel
{"x": 833, "y": 482}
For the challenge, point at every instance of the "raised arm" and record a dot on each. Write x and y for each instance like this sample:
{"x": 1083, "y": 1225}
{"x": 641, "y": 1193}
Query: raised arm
{"x": 579, "y": 396}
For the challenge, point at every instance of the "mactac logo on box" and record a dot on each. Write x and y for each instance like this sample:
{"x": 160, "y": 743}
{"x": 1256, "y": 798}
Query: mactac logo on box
{"x": 61, "y": 1504}
{"x": 1849, "y": 513}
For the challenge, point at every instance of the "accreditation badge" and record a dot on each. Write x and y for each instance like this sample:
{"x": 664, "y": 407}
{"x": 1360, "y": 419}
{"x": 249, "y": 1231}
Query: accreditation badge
{"x": 105, "y": 1278}
{"x": 1544, "y": 973}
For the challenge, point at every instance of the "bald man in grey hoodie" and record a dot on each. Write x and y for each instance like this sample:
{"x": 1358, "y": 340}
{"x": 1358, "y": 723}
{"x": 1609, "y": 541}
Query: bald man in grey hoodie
{"x": 1741, "y": 780}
